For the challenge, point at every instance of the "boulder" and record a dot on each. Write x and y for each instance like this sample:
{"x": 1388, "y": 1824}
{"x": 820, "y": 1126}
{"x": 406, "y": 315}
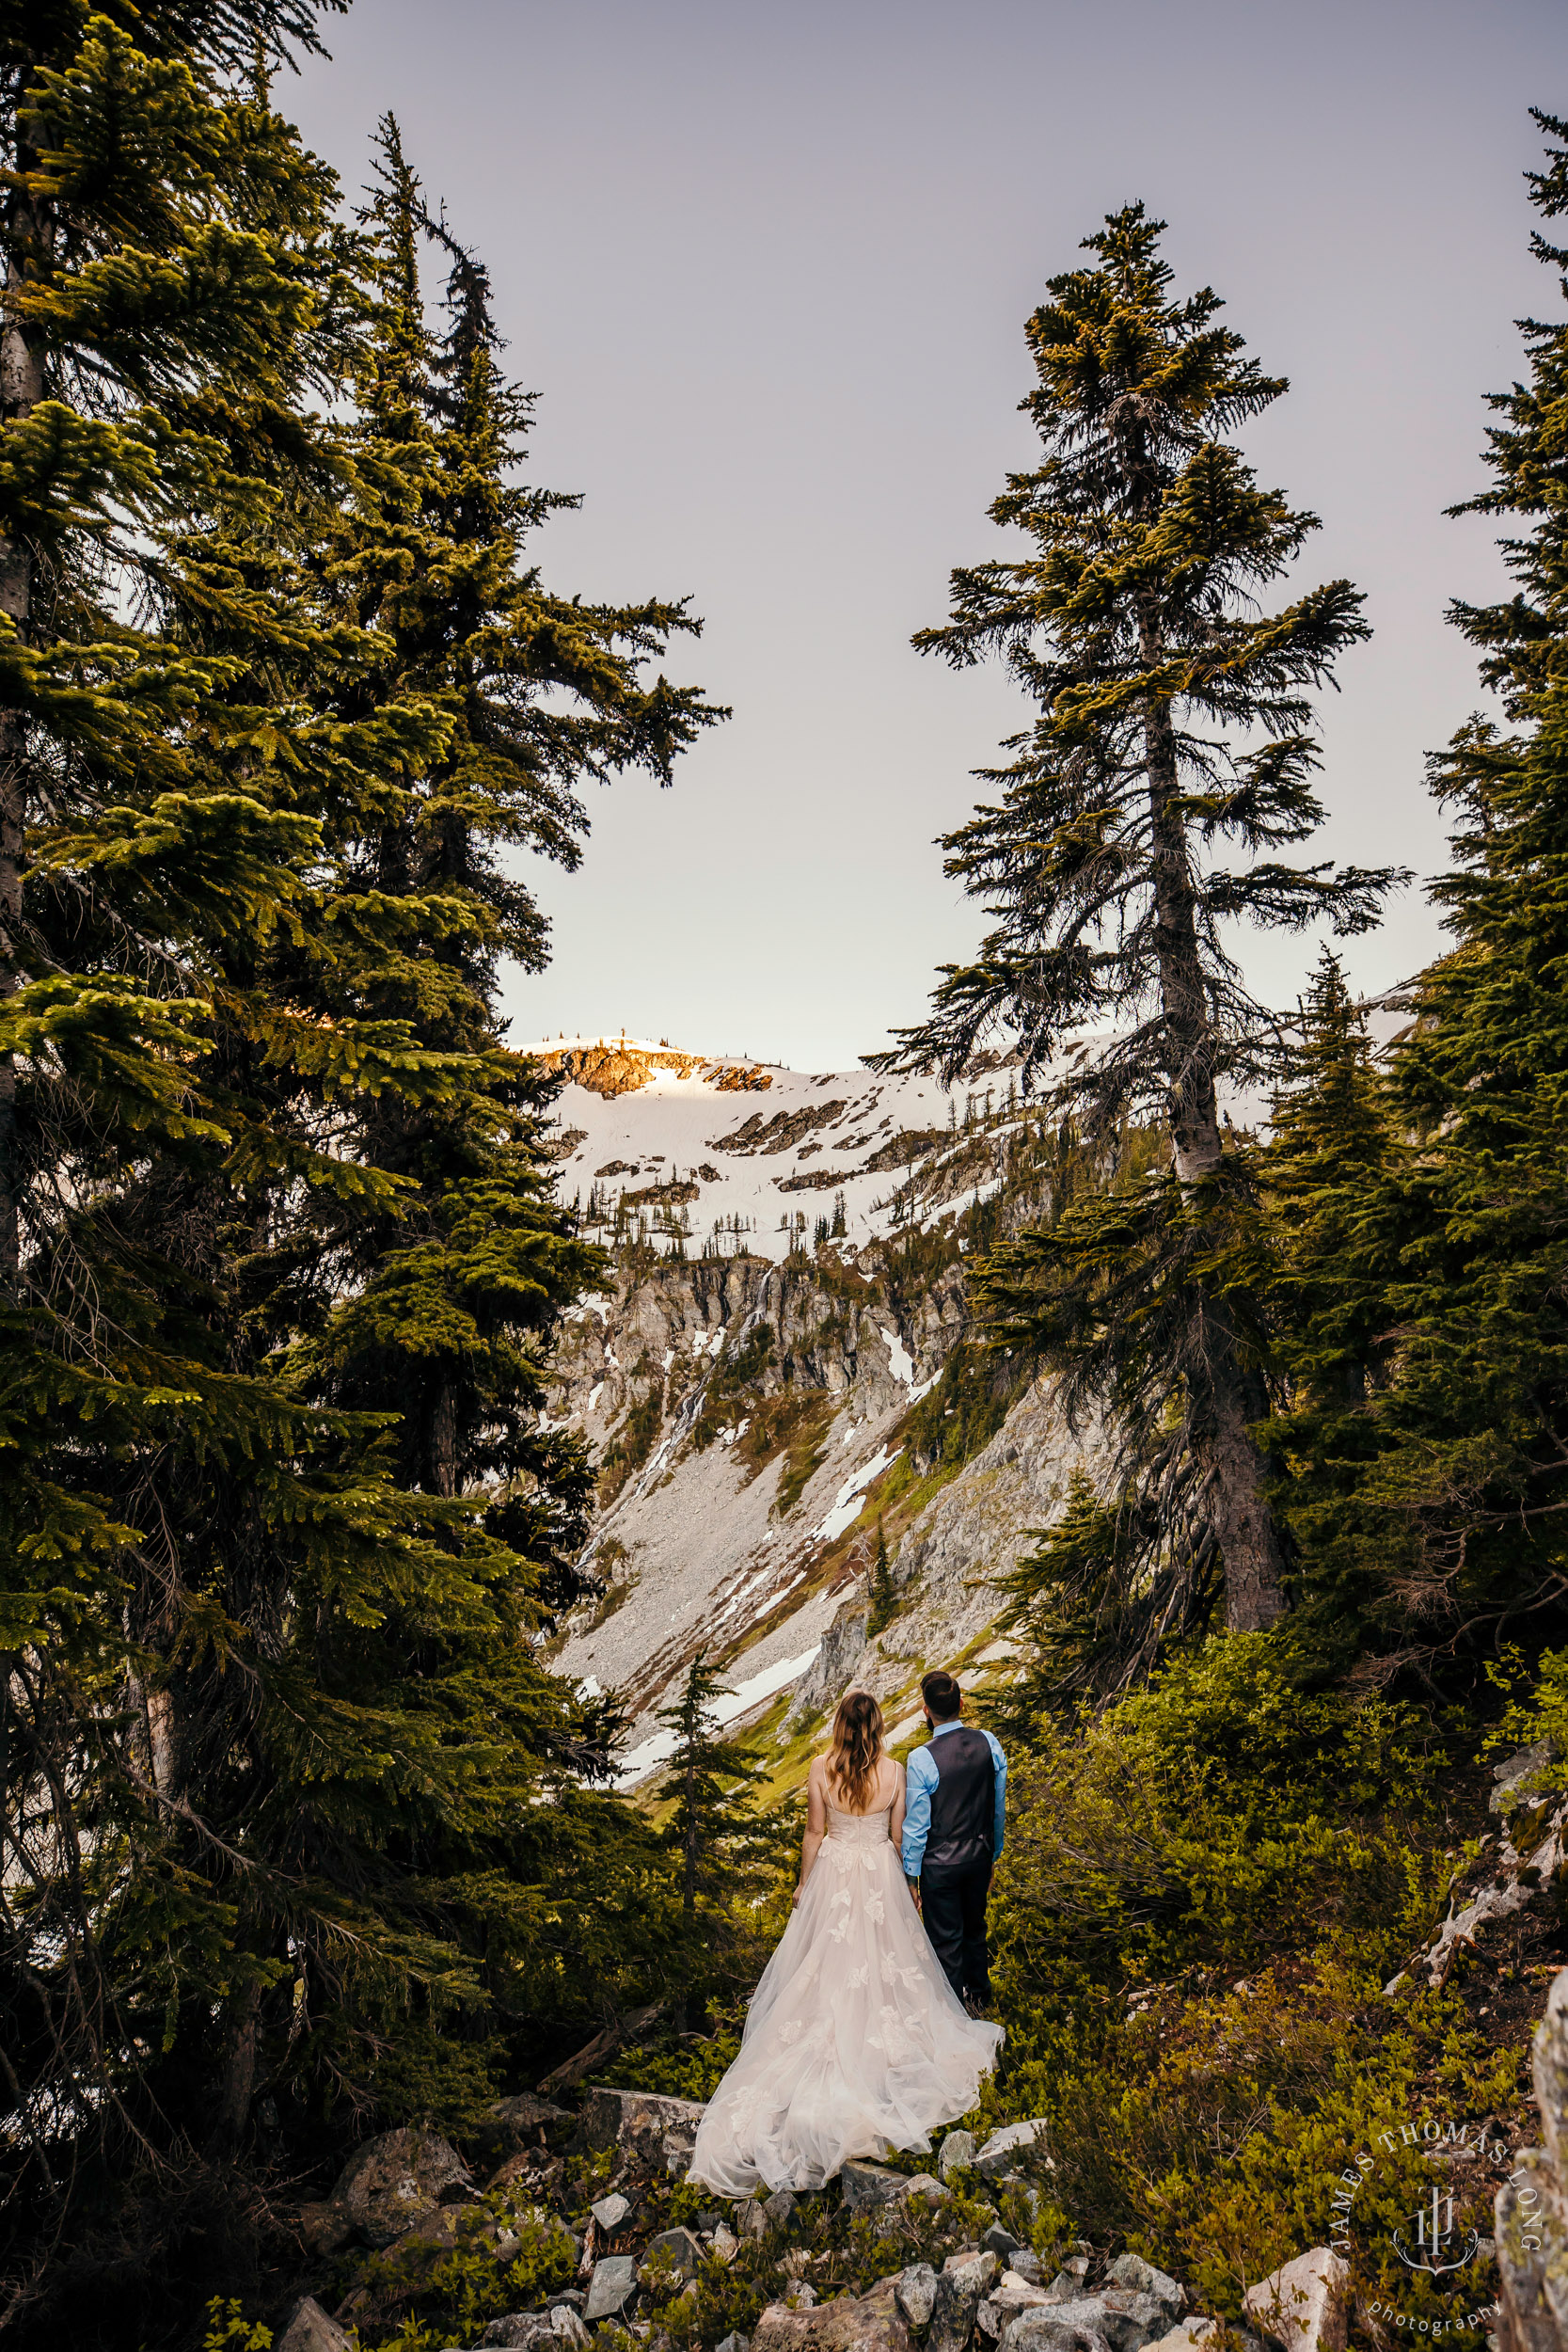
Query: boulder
{"x": 1304, "y": 2306}
{"x": 750, "y": 2218}
{"x": 957, "y": 2149}
{"x": 655, "y": 2131}
{"x": 568, "y": 2329}
{"x": 916, "y": 2292}
{"x": 394, "y": 2180}
{"x": 924, "y": 2186}
{"x": 1189, "y": 2335}
{"x": 1001, "y": 2240}
{"x": 965, "y": 2279}
{"x": 610, "y": 2212}
{"x": 310, "y": 2329}
{"x": 780, "y": 2207}
{"x": 735, "y": 2342}
{"x": 865, "y": 2323}
{"x": 1131, "y": 2271}
{"x": 726, "y": 2244}
{"x": 675, "y": 2250}
{"x": 866, "y": 2185}
{"x": 611, "y": 2288}
{"x": 520, "y": 2332}
{"x": 1011, "y": 2294}
{"x": 1124, "y": 2321}
{"x": 1027, "y": 2265}
{"x": 1004, "y": 2148}
{"x": 1050, "y": 2330}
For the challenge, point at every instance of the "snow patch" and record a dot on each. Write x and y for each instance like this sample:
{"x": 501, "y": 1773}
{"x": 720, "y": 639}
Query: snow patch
{"x": 847, "y": 1507}
{"x": 658, "y": 1750}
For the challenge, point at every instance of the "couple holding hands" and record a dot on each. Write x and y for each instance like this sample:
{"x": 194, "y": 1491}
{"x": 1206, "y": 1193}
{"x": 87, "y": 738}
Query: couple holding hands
{"x": 867, "y": 2027}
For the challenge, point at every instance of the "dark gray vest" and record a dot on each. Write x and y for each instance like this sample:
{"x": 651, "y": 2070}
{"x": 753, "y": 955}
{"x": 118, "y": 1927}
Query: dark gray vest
{"x": 963, "y": 1803}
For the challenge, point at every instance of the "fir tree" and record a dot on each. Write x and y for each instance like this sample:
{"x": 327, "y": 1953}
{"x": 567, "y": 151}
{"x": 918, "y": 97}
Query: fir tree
{"x": 1173, "y": 720}
{"x": 1064, "y": 1605}
{"x": 712, "y": 1830}
{"x": 1454, "y": 1515}
{"x": 883, "y": 1599}
{"x": 289, "y": 1799}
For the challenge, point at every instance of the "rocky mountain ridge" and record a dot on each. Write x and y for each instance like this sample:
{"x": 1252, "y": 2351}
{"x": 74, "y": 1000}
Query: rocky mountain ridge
{"x": 758, "y": 1394}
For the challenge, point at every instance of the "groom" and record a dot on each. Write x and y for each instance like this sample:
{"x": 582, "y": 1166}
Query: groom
{"x": 955, "y": 1789}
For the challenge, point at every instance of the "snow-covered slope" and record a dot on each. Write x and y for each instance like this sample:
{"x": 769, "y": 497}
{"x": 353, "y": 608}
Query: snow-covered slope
{"x": 752, "y": 1384}
{"x": 749, "y": 1150}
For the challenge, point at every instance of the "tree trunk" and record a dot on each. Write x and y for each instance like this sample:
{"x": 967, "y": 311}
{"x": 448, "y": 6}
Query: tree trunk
{"x": 1242, "y": 1522}
{"x": 237, "y": 2083}
{"x": 29, "y": 239}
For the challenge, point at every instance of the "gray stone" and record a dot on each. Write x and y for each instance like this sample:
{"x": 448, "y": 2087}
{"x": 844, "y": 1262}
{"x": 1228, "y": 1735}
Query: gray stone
{"x": 611, "y": 2288}
{"x": 1124, "y": 2321}
{"x": 394, "y": 2181}
{"x": 1002, "y": 2149}
{"x": 915, "y": 2289}
{"x": 310, "y": 2329}
{"x": 1001, "y": 2241}
{"x": 866, "y": 2185}
{"x": 1007, "y": 2297}
{"x": 520, "y": 2332}
{"x": 1305, "y": 2305}
{"x": 1027, "y": 2265}
{"x": 922, "y": 2186}
{"x": 726, "y": 2244}
{"x": 1050, "y": 2331}
{"x": 568, "y": 2328}
{"x": 638, "y": 2121}
{"x": 750, "y": 2220}
{"x": 780, "y": 2206}
{"x": 677, "y": 2248}
{"x": 1130, "y": 2270}
{"x": 957, "y": 2149}
{"x": 1193, "y": 2335}
{"x": 866, "y": 2323}
{"x": 610, "y": 2212}
{"x": 735, "y": 2342}
{"x": 965, "y": 2278}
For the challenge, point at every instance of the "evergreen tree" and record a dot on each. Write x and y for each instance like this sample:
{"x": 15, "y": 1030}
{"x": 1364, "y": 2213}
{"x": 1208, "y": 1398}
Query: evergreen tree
{"x": 1066, "y": 1602}
{"x": 1454, "y": 1515}
{"x": 1173, "y": 720}
{"x": 290, "y": 1801}
{"x": 1335, "y": 1145}
{"x": 712, "y": 1830}
{"x": 883, "y": 1599}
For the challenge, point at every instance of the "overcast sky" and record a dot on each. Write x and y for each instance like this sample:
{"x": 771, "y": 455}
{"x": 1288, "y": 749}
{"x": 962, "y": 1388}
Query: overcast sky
{"x": 767, "y": 268}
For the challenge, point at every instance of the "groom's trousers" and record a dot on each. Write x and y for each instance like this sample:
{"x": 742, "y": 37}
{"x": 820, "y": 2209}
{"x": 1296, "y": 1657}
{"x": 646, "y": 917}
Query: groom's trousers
{"x": 953, "y": 1905}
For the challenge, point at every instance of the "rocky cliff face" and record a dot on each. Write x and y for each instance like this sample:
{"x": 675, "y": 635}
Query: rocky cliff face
{"x": 759, "y": 1395}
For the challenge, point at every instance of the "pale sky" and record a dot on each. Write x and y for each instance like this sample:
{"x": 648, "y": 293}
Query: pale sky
{"x": 767, "y": 268}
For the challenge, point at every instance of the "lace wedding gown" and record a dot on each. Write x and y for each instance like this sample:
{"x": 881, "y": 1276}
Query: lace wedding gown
{"x": 855, "y": 2041}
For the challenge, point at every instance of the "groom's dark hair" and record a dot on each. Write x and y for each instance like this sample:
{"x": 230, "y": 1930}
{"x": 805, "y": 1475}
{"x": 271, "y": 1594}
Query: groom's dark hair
{"x": 941, "y": 1694}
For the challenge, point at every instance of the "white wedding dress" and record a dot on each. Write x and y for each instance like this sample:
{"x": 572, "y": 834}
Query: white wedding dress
{"x": 855, "y": 2041}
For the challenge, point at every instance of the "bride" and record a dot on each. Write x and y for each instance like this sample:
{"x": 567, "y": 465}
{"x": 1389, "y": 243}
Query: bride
{"x": 855, "y": 2041}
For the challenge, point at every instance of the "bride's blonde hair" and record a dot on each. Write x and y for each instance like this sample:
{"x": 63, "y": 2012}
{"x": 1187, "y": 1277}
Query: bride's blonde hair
{"x": 856, "y": 1751}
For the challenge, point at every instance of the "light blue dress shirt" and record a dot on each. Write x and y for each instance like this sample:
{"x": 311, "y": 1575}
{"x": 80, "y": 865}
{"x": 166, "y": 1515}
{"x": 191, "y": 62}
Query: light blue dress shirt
{"x": 919, "y": 1780}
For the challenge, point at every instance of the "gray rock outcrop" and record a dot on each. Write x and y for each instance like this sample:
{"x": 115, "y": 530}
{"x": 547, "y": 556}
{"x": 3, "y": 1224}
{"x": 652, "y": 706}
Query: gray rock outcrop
{"x": 1531, "y": 2226}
